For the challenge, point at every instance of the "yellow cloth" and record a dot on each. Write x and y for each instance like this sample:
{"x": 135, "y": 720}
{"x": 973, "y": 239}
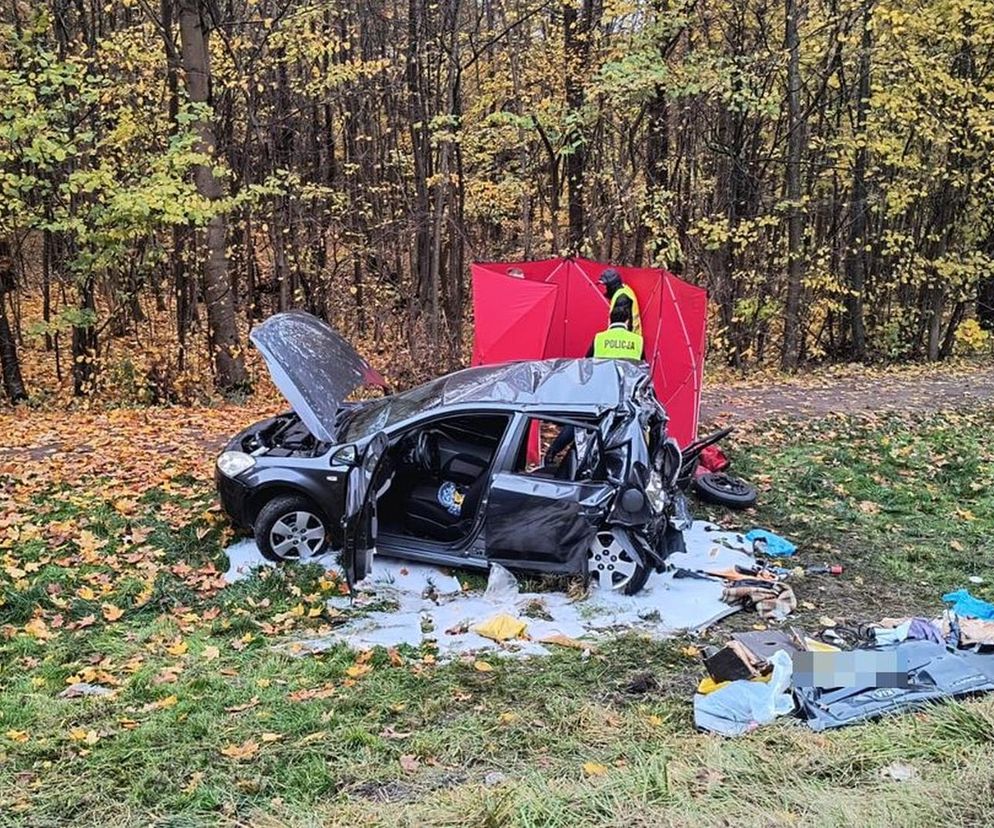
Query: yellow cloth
{"x": 709, "y": 685}
{"x": 501, "y": 627}
{"x": 816, "y": 646}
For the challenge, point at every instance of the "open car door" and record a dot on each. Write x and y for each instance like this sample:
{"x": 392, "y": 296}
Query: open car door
{"x": 546, "y": 519}
{"x": 359, "y": 516}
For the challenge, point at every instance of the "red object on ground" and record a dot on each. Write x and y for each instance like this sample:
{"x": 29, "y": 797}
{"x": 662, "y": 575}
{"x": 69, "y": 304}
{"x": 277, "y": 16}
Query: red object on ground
{"x": 713, "y": 459}
{"x": 553, "y": 308}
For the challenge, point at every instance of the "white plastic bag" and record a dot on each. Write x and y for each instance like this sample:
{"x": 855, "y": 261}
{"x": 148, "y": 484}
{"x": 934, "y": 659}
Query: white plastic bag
{"x": 742, "y": 705}
{"x": 502, "y": 586}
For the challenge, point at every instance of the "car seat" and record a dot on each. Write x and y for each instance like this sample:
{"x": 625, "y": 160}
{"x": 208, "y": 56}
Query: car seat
{"x": 427, "y": 517}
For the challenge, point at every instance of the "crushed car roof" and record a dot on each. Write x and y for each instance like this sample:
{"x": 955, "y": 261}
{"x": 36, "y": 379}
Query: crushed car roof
{"x": 547, "y": 382}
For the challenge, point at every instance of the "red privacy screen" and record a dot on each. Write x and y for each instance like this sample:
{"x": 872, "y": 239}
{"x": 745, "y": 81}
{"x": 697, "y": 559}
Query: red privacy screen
{"x": 553, "y": 308}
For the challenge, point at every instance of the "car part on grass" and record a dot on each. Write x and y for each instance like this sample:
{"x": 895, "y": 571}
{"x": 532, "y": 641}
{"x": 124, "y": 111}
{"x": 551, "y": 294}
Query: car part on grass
{"x": 290, "y": 528}
{"x": 374, "y": 472}
{"x": 690, "y": 457}
{"x": 725, "y": 490}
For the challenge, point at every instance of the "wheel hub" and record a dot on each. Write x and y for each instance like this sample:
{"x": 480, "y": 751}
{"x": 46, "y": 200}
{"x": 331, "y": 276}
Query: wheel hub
{"x": 609, "y": 564}
{"x": 297, "y": 535}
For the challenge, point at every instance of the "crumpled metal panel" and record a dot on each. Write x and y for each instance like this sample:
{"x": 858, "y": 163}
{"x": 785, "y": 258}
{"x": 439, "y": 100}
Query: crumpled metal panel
{"x": 600, "y": 384}
{"x": 543, "y": 524}
{"x": 313, "y": 367}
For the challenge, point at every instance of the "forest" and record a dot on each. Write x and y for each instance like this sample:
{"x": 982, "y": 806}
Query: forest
{"x": 174, "y": 170}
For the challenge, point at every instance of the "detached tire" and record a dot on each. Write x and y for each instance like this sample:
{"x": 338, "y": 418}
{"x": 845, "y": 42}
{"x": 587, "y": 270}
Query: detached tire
{"x": 291, "y": 528}
{"x": 725, "y": 490}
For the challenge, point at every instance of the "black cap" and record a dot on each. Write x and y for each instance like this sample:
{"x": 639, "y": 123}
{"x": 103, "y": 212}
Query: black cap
{"x": 610, "y": 277}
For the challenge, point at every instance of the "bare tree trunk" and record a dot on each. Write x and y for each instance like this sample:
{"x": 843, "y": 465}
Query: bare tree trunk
{"x": 228, "y": 361}
{"x": 84, "y": 340}
{"x": 577, "y": 33}
{"x": 795, "y": 227}
{"x": 10, "y": 367}
{"x": 856, "y": 247}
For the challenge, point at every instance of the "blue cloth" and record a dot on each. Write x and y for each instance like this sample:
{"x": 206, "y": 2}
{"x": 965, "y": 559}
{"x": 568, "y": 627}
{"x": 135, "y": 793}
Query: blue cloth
{"x": 969, "y": 607}
{"x": 776, "y": 547}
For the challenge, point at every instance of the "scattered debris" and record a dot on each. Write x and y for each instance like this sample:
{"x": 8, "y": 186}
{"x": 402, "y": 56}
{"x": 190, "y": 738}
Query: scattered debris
{"x": 640, "y": 684}
{"x": 764, "y": 543}
{"x": 405, "y": 603}
{"x": 965, "y": 604}
{"x": 898, "y": 772}
{"x": 888, "y": 667}
{"x": 82, "y": 688}
{"x": 742, "y": 706}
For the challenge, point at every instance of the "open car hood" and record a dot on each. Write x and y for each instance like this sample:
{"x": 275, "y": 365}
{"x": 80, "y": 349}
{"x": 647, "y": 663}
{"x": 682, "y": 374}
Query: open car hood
{"x": 314, "y": 368}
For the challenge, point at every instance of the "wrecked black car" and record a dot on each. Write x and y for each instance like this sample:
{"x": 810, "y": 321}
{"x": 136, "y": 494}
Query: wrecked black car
{"x": 458, "y": 472}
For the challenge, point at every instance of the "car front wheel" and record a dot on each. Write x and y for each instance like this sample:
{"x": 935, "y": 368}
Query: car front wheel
{"x": 291, "y": 528}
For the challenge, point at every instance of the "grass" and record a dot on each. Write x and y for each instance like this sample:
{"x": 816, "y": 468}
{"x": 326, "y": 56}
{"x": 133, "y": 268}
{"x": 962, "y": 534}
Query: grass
{"x": 210, "y": 723}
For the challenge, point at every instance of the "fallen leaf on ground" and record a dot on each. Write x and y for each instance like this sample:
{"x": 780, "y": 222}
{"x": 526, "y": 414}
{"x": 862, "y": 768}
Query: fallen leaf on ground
{"x": 161, "y": 704}
{"x": 240, "y": 753}
{"x": 483, "y": 666}
{"x": 594, "y": 769}
{"x": 177, "y": 648}
{"x": 81, "y": 734}
{"x": 17, "y": 735}
{"x": 37, "y": 628}
{"x": 111, "y": 612}
{"x": 195, "y": 779}
{"x": 409, "y": 762}
{"x": 272, "y": 737}
{"x": 565, "y": 641}
{"x": 238, "y": 708}
{"x": 167, "y": 675}
{"x": 210, "y": 653}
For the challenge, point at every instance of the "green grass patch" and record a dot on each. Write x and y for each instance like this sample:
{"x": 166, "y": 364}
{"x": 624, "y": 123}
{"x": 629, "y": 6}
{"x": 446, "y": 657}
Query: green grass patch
{"x": 213, "y": 719}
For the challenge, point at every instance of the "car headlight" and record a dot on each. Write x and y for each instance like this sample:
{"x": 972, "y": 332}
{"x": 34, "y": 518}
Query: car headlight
{"x": 233, "y": 463}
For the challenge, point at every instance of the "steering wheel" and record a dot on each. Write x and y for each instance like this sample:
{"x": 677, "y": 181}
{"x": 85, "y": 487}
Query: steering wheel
{"x": 426, "y": 451}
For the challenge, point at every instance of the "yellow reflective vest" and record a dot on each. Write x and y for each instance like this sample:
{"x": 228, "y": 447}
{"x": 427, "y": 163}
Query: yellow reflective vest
{"x": 618, "y": 343}
{"x": 624, "y": 290}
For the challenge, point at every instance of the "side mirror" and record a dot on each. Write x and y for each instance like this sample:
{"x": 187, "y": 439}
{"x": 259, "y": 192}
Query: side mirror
{"x": 345, "y": 456}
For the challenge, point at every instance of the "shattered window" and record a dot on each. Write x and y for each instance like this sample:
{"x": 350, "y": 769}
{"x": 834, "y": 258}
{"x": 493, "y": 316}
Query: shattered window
{"x": 560, "y": 450}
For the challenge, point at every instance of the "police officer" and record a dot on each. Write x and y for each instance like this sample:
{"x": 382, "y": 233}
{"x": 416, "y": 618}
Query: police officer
{"x": 618, "y": 342}
{"x": 621, "y": 296}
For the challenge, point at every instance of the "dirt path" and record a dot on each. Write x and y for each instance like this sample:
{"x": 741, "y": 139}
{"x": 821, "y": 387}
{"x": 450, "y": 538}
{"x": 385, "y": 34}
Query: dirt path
{"x": 847, "y": 394}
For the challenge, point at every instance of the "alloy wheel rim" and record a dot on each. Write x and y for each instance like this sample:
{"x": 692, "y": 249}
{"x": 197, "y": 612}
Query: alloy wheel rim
{"x": 297, "y": 535}
{"x": 609, "y": 565}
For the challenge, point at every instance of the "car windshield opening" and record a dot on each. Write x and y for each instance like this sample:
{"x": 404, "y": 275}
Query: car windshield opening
{"x": 370, "y": 417}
